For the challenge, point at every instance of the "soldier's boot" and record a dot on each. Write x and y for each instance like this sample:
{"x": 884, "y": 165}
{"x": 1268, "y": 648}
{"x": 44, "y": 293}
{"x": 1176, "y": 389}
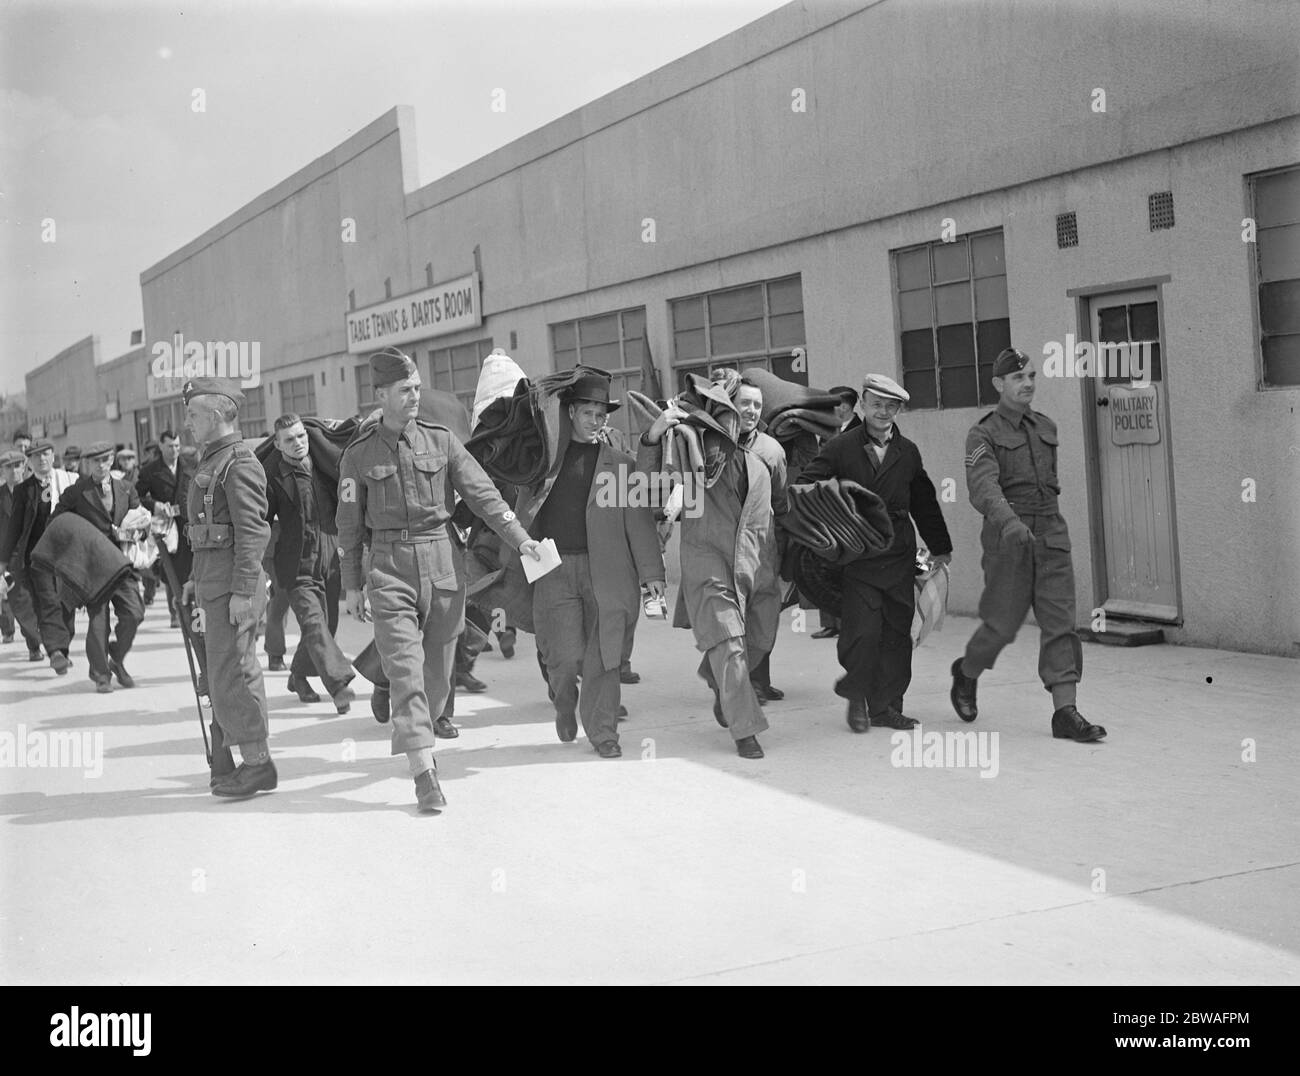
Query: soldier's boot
{"x": 963, "y": 693}
{"x": 247, "y": 781}
{"x": 1068, "y": 724}
{"x": 428, "y": 793}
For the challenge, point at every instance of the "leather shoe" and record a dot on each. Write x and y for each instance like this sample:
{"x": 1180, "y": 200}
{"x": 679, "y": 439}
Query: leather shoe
{"x": 609, "y": 749}
{"x": 303, "y": 689}
{"x": 444, "y": 729}
{"x": 344, "y": 698}
{"x": 748, "y": 747}
{"x": 428, "y": 793}
{"x": 893, "y": 719}
{"x": 768, "y": 693}
{"x": 506, "y": 640}
{"x": 627, "y": 676}
{"x": 718, "y": 716}
{"x": 621, "y": 713}
{"x": 381, "y": 705}
{"x": 58, "y": 661}
{"x": 857, "y": 716}
{"x": 247, "y": 780}
{"x": 469, "y": 682}
{"x": 1068, "y": 724}
{"x": 119, "y": 670}
{"x": 826, "y": 633}
{"x": 104, "y": 687}
{"x": 963, "y": 693}
{"x": 566, "y": 727}
{"x": 275, "y": 664}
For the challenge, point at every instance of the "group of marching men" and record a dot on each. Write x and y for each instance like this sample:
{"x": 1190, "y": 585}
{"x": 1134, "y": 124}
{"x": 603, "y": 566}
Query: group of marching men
{"x": 386, "y": 525}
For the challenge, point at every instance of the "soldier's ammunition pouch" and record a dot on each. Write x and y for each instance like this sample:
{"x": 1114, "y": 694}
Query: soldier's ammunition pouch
{"x": 211, "y": 536}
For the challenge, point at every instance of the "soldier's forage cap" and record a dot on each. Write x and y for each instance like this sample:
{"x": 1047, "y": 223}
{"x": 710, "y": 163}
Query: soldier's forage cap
{"x": 1009, "y": 361}
{"x": 390, "y": 365}
{"x": 37, "y": 447}
{"x": 885, "y": 386}
{"x": 213, "y": 386}
{"x": 97, "y": 450}
{"x": 11, "y": 458}
{"x": 72, "y": 452}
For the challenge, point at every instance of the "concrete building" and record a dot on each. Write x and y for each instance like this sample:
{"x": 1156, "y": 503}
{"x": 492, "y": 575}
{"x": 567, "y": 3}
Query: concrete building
{"x": 837, "y": 188}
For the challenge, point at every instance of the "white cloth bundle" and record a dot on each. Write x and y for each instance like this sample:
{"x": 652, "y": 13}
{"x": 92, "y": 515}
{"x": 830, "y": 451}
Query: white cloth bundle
{"x": 499, "y": 376}
{"x": 931, "y": 603}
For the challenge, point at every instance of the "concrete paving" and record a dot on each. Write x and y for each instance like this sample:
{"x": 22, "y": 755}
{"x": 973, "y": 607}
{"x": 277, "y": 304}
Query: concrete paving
{"x": 1168, "y": 854}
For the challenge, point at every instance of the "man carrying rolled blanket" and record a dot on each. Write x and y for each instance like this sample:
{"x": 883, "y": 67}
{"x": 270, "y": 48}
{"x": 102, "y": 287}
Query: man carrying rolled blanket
{"x": 875, "y": 639}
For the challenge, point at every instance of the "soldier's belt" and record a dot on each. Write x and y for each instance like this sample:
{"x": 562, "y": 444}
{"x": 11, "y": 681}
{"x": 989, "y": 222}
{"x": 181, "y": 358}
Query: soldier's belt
{"x": 407, "y": 536}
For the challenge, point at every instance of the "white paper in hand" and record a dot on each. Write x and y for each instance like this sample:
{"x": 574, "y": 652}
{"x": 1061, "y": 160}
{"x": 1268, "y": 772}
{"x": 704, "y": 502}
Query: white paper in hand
{"x": 535, "y": 569}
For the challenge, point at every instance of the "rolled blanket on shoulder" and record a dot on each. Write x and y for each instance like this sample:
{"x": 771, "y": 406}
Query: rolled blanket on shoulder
{"x": 87, "y": 563}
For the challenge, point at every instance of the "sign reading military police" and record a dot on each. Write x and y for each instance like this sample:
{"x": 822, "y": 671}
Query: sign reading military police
{"x": 1133, "y": 415}
{"x": 444, "y": 308}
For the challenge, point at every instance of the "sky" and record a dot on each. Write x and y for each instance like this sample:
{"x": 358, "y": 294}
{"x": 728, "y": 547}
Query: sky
{"x": 106, "y": 167}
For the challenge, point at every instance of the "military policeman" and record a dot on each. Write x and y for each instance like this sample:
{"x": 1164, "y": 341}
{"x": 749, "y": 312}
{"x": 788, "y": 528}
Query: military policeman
{"x": 227, "y": 529}
{"x": 396, "y": 483}
{"x": 1011, "y": 479}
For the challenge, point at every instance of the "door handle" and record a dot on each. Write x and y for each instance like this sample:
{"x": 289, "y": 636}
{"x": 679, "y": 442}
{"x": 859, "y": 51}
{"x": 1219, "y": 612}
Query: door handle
{"x": 1103, "y": 401}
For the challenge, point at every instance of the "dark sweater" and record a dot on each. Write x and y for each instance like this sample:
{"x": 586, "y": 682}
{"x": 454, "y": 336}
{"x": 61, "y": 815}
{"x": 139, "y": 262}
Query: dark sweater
{"x": 564, "y": 515}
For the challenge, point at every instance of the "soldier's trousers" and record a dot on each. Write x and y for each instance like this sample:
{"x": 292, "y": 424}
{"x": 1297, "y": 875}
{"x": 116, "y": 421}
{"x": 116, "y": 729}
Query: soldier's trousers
{"x": 234, "y": 674}
{"x": 1018, "y": 577}
{"x": 57, "y": 621}
{"x": 416, "y": 625}
{"x": 125, "y": 602}
{"x": 874, "y": 646}
{"x": 725, "y": 668}
{"x": 567, "y": 619}
{"x": 19, "y": 603}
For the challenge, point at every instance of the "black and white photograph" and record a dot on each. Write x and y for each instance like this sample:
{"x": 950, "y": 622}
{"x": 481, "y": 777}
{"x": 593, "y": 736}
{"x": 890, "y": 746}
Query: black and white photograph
{"x": 704, "y": 492}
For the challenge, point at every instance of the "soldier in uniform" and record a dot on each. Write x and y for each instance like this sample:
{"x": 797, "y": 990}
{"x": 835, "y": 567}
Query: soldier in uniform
{"x": 1011, "y": 479}
{"x": 226, "y": 513}
{"x": 395, "y": 494}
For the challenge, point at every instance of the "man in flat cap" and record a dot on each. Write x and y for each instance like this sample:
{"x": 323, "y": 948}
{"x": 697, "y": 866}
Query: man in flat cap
{"x": 103, "y": 501}
{"x": 226, "y": 513}
{"x": 1011, "y": 480}
{"x": 586, "y": 609}
{"x": 875, "y": 640}
{"x": 396, "y": 483}
{"x": 35, "y": 592}
{"x": 12, "y": 464}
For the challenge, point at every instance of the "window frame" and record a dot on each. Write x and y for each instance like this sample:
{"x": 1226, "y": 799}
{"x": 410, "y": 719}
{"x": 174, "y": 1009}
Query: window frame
{"x": 1257, "y": 282}
{"x": 466, "y": 396}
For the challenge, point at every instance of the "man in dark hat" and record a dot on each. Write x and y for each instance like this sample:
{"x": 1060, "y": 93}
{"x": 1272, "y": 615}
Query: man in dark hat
{"x": 875, "y": 639}
{"x": 104, "y": 501}
{"x": 1011, "y": 479}
{"x": 12, "y": 464}
{"x": 396, "y": 481}
{"x": 226, "y": 510}
{"x": 72, "y": 459}
{"x": 586, "y": 609}
{"x": 35, "y": 592}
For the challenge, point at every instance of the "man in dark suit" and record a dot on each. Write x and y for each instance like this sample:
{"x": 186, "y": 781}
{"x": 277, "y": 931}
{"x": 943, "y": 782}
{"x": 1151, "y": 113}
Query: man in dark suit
{"x": 846, "y": 412}
{"x": 161, "y": 486}
{"x": 875, "y": 641}
{"x": 306, "y": 502}
{"x": 35, "y": 592}
{"x": 12, "y": 464}
{"x": 104, "y": 501}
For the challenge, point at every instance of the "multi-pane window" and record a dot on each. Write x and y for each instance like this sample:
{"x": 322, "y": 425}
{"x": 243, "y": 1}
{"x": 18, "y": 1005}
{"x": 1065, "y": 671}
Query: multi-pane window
{"x": 297, "y": 395}
{"x": 252, "y": 416}
{"x": 456, "y": 369}
{"x": 612, "y": 342}
{"x": 1130, "y": 323}
{"x": 365, "y": 390}
{"x": 952, "y": 319}
{"x": 757, "y": 325}
{"x": 1276, "y": 200}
